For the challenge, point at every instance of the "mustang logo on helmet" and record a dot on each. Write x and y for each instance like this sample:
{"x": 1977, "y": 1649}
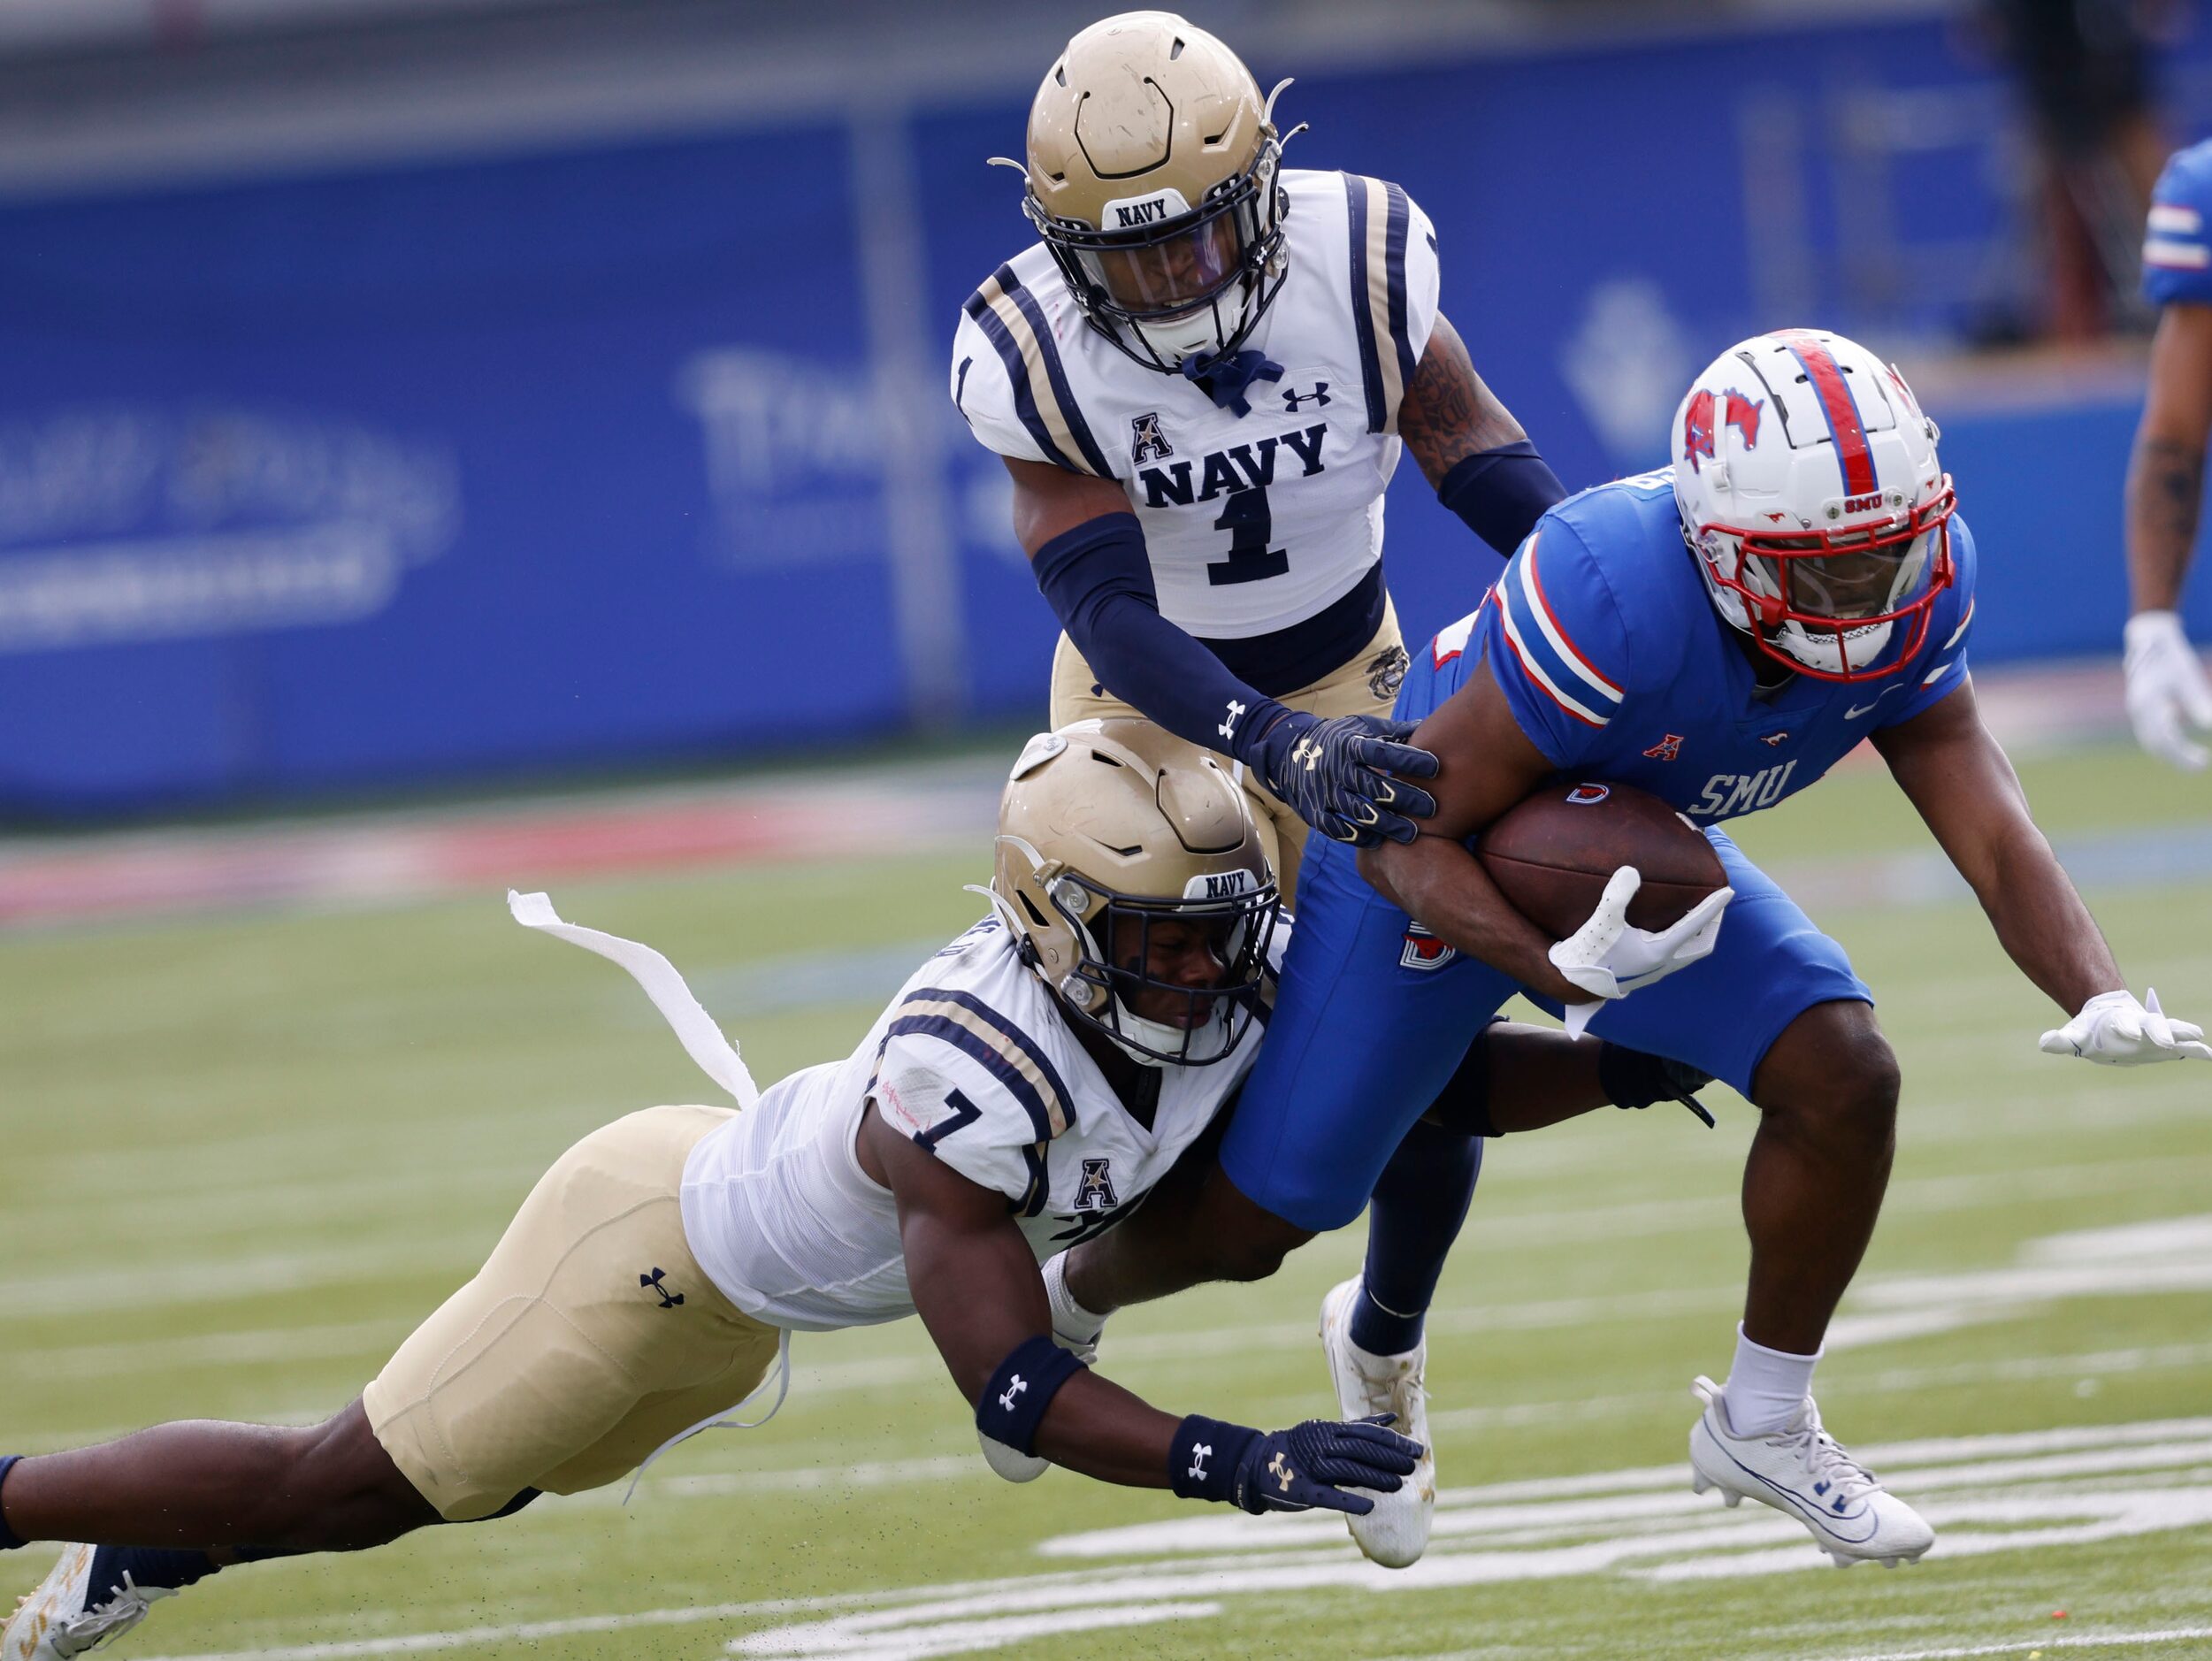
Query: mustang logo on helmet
{"x": 1700, "y": 429}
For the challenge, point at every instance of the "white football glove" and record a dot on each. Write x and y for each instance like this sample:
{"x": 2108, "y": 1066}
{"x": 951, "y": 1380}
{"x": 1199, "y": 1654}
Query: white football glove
{"x": 1608, "y": 959}
{"x": 2115, "y": 1030}
{"x": 2166, "y": 689}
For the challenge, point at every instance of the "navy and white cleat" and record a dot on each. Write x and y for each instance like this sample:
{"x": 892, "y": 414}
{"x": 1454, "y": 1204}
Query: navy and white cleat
{"x": 1396, "y": 1532}
{"x": 70, "y": 1612}
{"x": 1799, "y": 1470}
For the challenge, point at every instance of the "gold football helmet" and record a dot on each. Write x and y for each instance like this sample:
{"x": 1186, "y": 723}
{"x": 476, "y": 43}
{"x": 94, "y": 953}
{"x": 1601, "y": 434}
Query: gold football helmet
{"x": 1152, "y": 169}
{"x": 1109, "y": 829}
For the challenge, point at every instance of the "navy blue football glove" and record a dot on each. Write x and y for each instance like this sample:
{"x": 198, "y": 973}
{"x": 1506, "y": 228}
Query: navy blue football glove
{"x": 1335, "y": 774}
{"x": 1306, "y": 1467}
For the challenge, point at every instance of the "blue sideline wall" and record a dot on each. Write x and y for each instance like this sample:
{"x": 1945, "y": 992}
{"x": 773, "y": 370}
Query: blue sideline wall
{"x": 592, "y": 458}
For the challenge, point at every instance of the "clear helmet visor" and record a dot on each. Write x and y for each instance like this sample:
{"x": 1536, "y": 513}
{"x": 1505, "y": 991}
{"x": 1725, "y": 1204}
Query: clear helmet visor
{"x": 1162, "y": 276}
{"x": 1869, "y": 583}
{"x": 1844, "y": 586}
{"x": 1181, "y": 979}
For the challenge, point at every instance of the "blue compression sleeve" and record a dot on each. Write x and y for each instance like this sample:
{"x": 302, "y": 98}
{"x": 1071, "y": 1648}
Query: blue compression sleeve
{"x": 1502, "y": 492}
{"x": 1100, "y": 583}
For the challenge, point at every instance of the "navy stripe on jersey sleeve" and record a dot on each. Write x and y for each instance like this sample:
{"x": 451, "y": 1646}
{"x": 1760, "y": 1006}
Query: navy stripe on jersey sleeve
{"x": 1362, "y": 316}
{"x": 1033, "y": 1199}
{"x": 1394, "y": 274}
{"x": 1055, "y": 371}
{"x": 973, "y": 1045}
{"x": 1018, "y": 377}
{"x": 1040, "y": 1089}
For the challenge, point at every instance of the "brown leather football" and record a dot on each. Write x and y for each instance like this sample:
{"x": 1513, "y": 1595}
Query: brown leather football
{"x": 1552, "y": 853}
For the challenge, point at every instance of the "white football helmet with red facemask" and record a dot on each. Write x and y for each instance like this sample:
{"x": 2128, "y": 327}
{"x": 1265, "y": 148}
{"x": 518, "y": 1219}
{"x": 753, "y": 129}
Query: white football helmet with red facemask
{"x": 1810, "y": 494}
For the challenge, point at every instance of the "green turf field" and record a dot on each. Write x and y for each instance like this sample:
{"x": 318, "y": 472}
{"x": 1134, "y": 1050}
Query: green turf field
{"x": 243, "y": 1156}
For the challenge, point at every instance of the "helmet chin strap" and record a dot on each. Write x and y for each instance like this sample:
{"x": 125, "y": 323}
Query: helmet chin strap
{"x": 1809, "y": 648}
{"x": 1159, "y": 1034}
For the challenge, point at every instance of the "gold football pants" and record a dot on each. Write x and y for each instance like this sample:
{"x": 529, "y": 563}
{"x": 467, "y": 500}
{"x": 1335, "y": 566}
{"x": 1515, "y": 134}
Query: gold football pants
{"x": 589, "y": 1338}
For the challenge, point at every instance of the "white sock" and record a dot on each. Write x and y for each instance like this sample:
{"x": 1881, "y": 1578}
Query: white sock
{"x": 1071, "y": 1321}
{"x": 1764, "y": 1387}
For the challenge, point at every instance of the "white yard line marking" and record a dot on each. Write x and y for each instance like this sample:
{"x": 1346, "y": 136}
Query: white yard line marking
{"x": 1991, "y": 1494}
{"x": 2070, "y": 1640}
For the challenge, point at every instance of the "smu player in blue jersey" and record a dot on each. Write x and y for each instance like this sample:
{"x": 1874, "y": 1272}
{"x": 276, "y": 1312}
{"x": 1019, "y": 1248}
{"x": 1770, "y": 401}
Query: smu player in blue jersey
{"x": 2169, "y": 697}
{"x": 1719, "y": 635}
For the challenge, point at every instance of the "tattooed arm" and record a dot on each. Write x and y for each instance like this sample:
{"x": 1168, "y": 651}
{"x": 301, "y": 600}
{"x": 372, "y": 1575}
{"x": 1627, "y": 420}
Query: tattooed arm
{"x": 1449, "y": 413}
{"x": 1470, "y": 449}
{"x": 2165, "y": 475}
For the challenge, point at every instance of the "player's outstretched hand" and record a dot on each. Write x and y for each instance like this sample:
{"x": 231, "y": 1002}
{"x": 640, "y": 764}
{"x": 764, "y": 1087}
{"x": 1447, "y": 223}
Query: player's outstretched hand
{"x": 1335, "y": 774}
{"x": 2115, "y": 1030}
{"x": 1307, "y": 1467}
{"x": 1608, "y": 959}
{"x": 2167, "y": 691}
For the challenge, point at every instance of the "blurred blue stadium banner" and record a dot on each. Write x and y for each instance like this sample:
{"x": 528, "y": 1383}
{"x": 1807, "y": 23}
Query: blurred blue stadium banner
{"x": 640, "y": 452}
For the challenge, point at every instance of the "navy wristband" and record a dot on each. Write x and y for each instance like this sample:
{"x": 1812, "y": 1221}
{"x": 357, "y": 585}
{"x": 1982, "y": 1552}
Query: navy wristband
{"x": 1501, "y": 494}
{"x": 1206, "y": 1457}
{"x": 9, "y": 1541}
{"x": 1012, "y": 1403}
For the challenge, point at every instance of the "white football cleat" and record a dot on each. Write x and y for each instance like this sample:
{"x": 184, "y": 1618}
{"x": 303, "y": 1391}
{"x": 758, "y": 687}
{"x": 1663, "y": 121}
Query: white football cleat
{"x": 1800, "y": 1470}
{"x": 1396, "y": 1532}
{"x": 65, "y": 1616}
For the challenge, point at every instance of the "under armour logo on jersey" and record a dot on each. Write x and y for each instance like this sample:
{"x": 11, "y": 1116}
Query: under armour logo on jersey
{"x": 1095, "y": 1192}
{"x": 1282, "y": 1473}
{"x": 653, "y": 1283}
{"x": 1667, "y": 749}
{"x": 1292, "y": 400}
{"x": 1013, "y": 1391}
{"x": 1200, "y": 1452}
{"x": 1228, "y": 728}
{"x": 1147, "y": 442}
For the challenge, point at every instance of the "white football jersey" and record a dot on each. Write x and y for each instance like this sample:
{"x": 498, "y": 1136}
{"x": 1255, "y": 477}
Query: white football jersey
{"x": 1254, "y": 522}
{"x": 975, "y": 1060}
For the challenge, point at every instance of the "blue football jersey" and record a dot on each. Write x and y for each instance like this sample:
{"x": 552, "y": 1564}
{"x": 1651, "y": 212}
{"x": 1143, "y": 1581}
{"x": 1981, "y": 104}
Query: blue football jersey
{"x": 1617, "y": 666}
{"x": 2177, "y": 248}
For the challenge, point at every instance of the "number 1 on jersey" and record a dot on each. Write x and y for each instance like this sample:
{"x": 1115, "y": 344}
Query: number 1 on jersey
{"x": 1244, "y": 516}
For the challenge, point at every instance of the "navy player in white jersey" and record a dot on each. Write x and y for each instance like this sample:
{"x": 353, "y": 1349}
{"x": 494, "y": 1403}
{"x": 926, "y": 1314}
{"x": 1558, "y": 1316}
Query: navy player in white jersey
{"x": 1023, "y": 1091}
{"x": 2169, "y": 698}
{"x": 1719, "y": 634}
{"x": 1025, "y": 1086}
{"x": 1201, "y": 377}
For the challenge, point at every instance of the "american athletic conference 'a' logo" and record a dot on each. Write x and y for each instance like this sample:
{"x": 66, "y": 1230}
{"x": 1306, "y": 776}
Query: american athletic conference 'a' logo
{"x": 1147, "y": 442}
{"x": 1094, "y": 1190}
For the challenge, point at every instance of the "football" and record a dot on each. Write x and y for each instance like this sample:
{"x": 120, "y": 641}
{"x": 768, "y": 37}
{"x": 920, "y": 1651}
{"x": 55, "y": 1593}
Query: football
{"x": 1552, "y": 853}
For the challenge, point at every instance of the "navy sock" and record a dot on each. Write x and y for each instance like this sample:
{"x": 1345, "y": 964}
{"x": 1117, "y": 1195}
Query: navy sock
{"x": 1420, "y": 1201}
{"x": 9, "y": 1541}
{"x": 147, "y": 1565}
